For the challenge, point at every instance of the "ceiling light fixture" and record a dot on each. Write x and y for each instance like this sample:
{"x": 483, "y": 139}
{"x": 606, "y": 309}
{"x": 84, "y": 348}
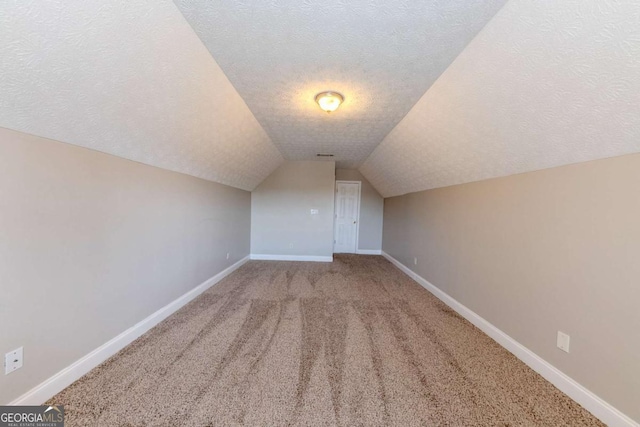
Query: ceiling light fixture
{"x": 329, "y": 101}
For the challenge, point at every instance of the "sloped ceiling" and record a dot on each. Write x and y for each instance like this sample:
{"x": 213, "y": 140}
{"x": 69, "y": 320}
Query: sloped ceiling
{"x": 546, "y": 83}
{"x": 129, "y": 78}
{"x": 381, "y": 55}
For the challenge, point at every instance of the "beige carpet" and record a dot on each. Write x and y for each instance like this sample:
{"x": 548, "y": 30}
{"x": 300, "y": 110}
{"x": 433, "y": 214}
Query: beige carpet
{"x": 353, "y": 342}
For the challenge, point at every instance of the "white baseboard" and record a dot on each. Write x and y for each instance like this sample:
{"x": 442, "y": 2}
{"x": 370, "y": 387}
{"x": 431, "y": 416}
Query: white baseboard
{"x": 369, "y": 251}
{"x": 268, "y": 257}
{"x": 591, "y": 402}
{"x": 50, "y": 387}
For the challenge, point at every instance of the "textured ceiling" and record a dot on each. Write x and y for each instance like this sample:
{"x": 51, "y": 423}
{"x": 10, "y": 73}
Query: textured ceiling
{"x": 546, "y": 83}
{"x": 129, "y": 78}
{"x": 381, "y": 55}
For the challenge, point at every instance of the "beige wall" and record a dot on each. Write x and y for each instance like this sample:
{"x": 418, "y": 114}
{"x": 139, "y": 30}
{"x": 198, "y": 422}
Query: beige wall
{"x": 371, "y": 210}
{"x": 281, "y": 220}
{"x": 91, "y": 244}
{"x": 557, "y": 249}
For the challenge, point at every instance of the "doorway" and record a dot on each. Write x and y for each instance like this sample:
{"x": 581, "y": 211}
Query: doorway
{"x": 347, "y": 217}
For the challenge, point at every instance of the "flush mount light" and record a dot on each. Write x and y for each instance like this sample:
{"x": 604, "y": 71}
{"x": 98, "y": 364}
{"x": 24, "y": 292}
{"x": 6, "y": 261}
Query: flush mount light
{"x": 329, "y": 101}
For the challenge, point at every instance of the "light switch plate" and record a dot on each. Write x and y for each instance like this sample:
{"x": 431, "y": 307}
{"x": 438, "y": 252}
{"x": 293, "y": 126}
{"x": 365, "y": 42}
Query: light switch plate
{"x": 563, "y": 341}
{"x": 314, "y": 211}
{"x": 13, "y": 360}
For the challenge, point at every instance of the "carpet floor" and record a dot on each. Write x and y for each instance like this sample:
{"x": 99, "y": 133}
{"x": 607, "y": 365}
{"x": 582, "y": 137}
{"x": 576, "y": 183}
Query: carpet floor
{"x": 349, "y": 343}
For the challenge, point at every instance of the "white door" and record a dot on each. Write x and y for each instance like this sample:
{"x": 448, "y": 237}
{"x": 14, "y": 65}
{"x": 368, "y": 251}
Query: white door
{"x": 347, "y": 216}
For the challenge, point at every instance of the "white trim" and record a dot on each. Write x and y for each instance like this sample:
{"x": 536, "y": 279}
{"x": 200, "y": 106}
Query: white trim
{"x": 269, "y": 257}
{"x": 591, "y": 402}
{"x": 335, "y": 206}
{"x": 58, "y": 382}
{"x": 369, "y": 251}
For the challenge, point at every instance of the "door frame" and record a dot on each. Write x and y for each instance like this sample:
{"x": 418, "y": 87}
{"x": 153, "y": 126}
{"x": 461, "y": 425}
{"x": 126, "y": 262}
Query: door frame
{"x": 335, "y": 205}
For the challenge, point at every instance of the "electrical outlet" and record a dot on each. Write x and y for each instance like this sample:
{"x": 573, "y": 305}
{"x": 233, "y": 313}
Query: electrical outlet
{"x": 314, "y": 211}
{"x": 227, "y": 255}
{"x": 563, "y": 341}
{"x": 415, "y": 261}
{"x": 290, "y": 245}
{"x": 13, "y": 360}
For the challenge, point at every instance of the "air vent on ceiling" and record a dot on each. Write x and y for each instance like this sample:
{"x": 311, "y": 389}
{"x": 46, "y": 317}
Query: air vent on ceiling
{"x": 324, "y": 155}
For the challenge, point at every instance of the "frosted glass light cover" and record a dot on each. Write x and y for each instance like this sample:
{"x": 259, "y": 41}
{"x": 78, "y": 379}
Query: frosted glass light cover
{"x": 329, "y": 101}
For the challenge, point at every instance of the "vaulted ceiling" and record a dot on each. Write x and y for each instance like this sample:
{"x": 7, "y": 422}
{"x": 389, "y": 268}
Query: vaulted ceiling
{"x": 382, "y": 56}
{"x": 131, "y": 79}
{"x": 437, "y": 92}
{"x": 546, "y": 83}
